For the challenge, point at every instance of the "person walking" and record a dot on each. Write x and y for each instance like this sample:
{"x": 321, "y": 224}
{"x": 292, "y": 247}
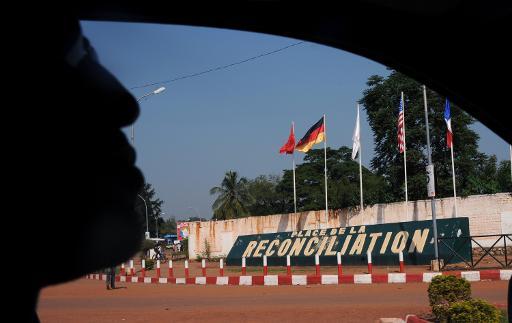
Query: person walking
{"x": 111, "y": 278}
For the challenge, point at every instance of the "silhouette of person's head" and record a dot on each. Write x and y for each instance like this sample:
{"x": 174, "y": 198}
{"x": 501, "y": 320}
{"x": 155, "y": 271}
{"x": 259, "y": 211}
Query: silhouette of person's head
{"x": 86, "y": 183}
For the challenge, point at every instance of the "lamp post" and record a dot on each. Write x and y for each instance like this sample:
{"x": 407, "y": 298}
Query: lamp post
{"x": 432, "y": 194}
{"x": 147, "y": 222}
{"x": 157, "y": 91}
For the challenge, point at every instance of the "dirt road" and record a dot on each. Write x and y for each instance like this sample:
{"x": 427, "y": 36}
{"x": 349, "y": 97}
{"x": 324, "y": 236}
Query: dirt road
{"x": 89, "y": 301}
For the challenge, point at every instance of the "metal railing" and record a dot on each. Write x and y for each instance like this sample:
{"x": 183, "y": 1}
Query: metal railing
{"x": 487, "y": 251}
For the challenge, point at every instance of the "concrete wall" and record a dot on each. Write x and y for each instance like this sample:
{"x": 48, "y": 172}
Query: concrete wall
{"x": 488, "y": 214}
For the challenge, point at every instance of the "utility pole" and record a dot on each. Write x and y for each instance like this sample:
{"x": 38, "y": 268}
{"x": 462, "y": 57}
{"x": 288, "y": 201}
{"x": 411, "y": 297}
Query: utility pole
{"x": 431, "y": 186}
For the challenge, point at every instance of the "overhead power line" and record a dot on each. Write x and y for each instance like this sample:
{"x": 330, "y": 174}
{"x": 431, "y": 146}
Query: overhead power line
{"x": 216, "y": 68}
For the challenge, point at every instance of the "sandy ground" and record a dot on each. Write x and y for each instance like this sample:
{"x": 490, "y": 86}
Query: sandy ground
{"x": 89, "y": 301}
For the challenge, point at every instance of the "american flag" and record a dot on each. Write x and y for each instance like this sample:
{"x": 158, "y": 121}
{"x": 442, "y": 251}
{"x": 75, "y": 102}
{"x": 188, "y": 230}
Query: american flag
{"x": 401, "y": 127}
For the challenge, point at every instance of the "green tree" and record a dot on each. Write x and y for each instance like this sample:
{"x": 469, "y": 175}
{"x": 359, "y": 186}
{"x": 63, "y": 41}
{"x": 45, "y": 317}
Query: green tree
{"x": 342, "y": 181}
{"x": 504, "y": 176}
{"x": 266, "y": 199}
{"x": 232, "y": 197}
{"x": 168, "y": 226}
{"x": 195, "y": 218}
{"x": 484, "y": 178}
{"x": 154, "y": 208}
{"x": 474, "y": 170}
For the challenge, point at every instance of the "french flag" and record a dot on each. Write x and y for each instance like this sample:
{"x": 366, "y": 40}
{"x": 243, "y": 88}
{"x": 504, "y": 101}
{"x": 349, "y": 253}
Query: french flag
{"x": 448, "y": 120}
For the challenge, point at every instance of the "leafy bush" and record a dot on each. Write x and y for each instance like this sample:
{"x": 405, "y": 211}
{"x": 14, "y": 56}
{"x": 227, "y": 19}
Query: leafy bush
{"x": 474, "y": 311}
{"x": 443, "y": 291}
{"x": 207, "y": 251}
{"x": 504, "y": 316}
{"x": 212, "y": 258}
{"x": 184, "y": 246}
{"x": 150, "y": 264}
{"x": 217, "y": 258}
{"x": 147, "y": 244}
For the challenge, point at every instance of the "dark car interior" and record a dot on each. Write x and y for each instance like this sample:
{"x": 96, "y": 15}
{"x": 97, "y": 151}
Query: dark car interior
{"x": 457, "y": 48}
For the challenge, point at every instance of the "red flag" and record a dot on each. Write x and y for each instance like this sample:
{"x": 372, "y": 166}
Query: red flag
{"x": 289, "y": 146}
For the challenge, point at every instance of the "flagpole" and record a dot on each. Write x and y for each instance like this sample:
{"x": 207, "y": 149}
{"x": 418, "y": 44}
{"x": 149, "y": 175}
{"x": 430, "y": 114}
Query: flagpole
{"x": 405, "y": 158}
{"x": 360, "y": 167}
{"x": 294, "y": 190}
{"x": 361, "y": 180}
{"x": 453, "y": 178}
{"x": 325, "y": 172}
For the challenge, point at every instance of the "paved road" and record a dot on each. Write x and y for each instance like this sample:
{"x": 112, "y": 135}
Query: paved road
{"x": 89, "y": 301}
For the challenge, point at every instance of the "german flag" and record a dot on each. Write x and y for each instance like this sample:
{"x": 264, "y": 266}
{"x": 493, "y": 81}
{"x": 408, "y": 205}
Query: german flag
{"x": 315, "y": 135}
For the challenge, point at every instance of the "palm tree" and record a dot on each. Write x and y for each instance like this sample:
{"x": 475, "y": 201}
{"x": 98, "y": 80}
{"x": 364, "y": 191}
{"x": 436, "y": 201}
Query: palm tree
{"x": 233, "y": 197}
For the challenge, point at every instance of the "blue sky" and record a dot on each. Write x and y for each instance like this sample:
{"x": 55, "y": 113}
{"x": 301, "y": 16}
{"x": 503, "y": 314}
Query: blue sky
{"x": 188, "y": 136}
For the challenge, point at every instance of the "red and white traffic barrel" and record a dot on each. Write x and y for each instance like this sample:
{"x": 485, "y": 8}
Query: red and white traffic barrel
{"x": 338, "y": 258}
{"x": 288, "y": 266}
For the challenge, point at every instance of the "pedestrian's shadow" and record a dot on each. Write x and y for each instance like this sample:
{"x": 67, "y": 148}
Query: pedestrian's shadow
{"x": 122, "y": 287}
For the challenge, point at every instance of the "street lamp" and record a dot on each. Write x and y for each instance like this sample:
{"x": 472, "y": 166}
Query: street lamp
{"x": 147, "y": 222}
{"x": 157, "y": 91}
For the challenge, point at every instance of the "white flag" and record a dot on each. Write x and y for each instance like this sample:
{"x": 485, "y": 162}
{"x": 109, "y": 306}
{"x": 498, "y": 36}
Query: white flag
{"x": 356, "y": 137}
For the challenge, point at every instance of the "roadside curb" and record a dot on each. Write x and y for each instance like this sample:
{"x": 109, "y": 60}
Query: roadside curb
{"x": 276, "y": 280}
{"x": 408, "y": 319}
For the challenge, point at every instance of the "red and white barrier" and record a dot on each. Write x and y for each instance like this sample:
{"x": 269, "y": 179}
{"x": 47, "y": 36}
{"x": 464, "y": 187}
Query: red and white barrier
{"x": 123, "y": 271}
{"x": 245, "y": 280}
{"x": 272, "y": 280}
{"x": 288, "y": 266}
{"x": 171, "y": 271}
{"x": 244, "y": 271}
{"x": 265, "y": 268}
{"x": 397, "y": 278}
{"x": 203, "y": 267}
{"x": 221, "y": 267}
{"x": 158, "y": 269}
{"x": 401, "y": 259}
{"x": 370, "y": 267}
{"x": 338, "y": 259}
{"x": 317, "y": 265}
{"x": 143, "y": 269}
{"x": 132, "y": 270}
{"x": 186, "y": 269}
{"x": 363, "y": 278}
